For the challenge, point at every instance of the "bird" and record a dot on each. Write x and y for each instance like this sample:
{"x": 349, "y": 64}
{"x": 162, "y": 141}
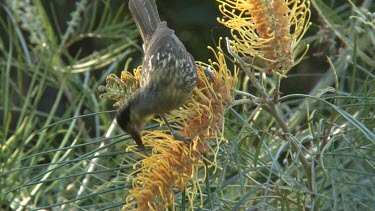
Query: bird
{"x": 168, "y": 75}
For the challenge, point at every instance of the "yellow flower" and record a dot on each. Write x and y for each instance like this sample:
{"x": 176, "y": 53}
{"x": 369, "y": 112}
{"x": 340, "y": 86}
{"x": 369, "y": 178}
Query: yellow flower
{"x": 174, "y": 164}
{"x": 267, "y": 32}
{"x": 169, "y": 166}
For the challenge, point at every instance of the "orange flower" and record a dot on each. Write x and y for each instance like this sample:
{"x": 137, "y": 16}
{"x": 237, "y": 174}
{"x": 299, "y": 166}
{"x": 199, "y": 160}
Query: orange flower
{"x": 267, "y": 33}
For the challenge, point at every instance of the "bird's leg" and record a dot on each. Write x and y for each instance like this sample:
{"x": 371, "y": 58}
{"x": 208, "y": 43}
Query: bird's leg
{"x": 174, "y": 134}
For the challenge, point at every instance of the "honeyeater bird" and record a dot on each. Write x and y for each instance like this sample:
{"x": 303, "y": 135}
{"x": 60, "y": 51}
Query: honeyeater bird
{"x": 168, "y": 74}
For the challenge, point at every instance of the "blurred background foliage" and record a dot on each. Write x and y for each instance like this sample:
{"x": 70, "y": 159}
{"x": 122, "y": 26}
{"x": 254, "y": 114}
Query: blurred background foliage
{"x": 61, "y": 150}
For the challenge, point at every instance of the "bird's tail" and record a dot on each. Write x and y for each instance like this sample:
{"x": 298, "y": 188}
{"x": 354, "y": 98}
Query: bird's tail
{"x": 146, "y": 16}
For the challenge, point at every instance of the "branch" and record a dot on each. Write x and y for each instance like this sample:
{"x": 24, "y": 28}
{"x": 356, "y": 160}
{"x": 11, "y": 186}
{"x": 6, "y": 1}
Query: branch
{"x": 274, "y": 110}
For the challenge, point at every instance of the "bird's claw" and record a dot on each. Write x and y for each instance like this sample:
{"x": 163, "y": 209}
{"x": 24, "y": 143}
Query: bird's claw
{"x": 181, "y": 138}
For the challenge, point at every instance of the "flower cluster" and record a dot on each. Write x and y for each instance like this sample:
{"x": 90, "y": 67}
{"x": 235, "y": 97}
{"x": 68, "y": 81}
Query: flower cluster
{"x": 267, "y": 32}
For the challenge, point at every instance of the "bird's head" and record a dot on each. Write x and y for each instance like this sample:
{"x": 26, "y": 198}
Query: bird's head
{"x": 131, "y": 122}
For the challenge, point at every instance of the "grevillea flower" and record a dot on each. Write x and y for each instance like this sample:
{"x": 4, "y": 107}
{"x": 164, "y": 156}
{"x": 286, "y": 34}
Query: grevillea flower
{"x": 267, "y": 32}
{"x": 174, "y": 164}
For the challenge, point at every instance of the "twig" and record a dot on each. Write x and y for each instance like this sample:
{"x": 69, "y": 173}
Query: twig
{"x": 273, "y": 109}
{"x": 242, "y": 101}
{"x": 239, "y": 92}
{"x": 277, "y": 90}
